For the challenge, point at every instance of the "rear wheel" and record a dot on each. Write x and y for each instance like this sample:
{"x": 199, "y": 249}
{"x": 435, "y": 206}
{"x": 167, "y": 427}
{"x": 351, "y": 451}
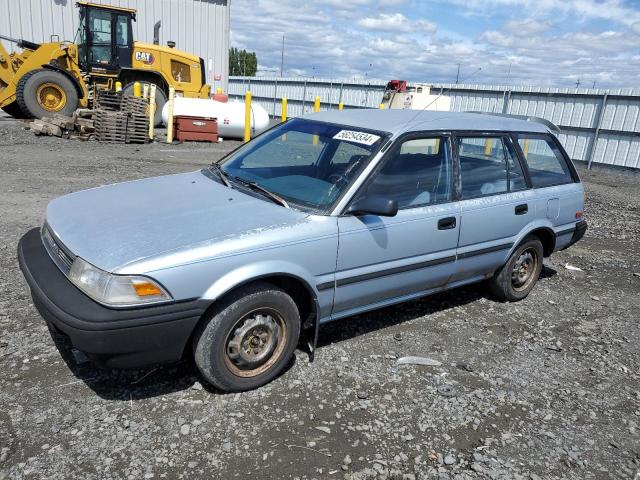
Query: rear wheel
{"x": 161, "y": 99}
{"x": 14, "y": 110}
{"x": 515, "y": 280}
{"x": 248, "y": 339}
{"x": 44, "y": 92}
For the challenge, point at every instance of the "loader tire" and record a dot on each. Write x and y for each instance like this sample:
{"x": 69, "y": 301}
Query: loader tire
{"x": 14, "y": 110}
{"x": 161, "y": 99}
{"x": 44, "y": 93}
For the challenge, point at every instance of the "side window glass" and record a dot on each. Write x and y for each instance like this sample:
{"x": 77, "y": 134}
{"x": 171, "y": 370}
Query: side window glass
{"x": 483, "y": 167}
{"x": 546, "y": 164}
{"x": 516, "y": 176}
{"x": 122, "y": 31}
{"x": 417, "y": 174}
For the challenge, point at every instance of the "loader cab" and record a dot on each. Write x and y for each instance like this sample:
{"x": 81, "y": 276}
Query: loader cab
{"x": 104, "y": 38}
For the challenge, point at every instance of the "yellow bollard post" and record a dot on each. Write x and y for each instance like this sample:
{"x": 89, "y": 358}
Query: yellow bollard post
{"x": 341, "y": 106}
{"x": 382, "y": 106}
{"x": 118, "y": 86}
{"x": 283, "y": 116}
{"x": 218, "y": 90}
{"x": 488, "y": 146}
{"x": 172, "y": 95}
{"x": 525, "y": 150}
{"x": 152, "y": 110}
{"x": 137, "y": 89}
{"x": 316, "y": 104}
{"x": 247, "y": 116}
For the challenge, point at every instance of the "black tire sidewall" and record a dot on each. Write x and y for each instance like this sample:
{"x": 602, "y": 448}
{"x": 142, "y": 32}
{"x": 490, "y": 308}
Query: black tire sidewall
{"x": 209, "y": 342}
{"x": 29, "y": 86}
{"x": 501, "y": 284}
{"x": 161, "y": 99}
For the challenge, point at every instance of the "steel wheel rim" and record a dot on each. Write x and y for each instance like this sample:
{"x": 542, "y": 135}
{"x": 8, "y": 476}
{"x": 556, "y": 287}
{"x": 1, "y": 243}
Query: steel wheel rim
{"x": 523, "y": 273}
{"x": 51, "y": 97}
{"x": 255, "y": 343}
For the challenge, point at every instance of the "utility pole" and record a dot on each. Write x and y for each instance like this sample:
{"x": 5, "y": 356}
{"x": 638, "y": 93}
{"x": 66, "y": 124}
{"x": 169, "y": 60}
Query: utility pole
{"x": 594, "y": 85}
{"x": 458, "y": 74}
{"x": 577, "y": 83}
{"x": 282, "y": 57}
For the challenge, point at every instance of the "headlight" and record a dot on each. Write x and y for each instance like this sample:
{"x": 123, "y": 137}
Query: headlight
{"x": 115, "y": 290}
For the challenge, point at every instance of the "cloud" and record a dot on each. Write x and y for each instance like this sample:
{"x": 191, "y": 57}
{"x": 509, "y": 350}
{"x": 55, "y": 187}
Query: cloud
{"x": 614, "y": 10}
{"x": 396, "y": 22}
{"x": 527, "y": 27}
{"x": 370, "y": 38}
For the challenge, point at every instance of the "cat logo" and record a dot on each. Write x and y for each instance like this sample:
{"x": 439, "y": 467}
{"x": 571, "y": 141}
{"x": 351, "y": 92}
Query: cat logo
{"x": 145, "y": 57}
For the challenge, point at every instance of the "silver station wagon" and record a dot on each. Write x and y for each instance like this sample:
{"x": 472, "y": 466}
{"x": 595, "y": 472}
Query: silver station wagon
{"x": 315, "y": 220}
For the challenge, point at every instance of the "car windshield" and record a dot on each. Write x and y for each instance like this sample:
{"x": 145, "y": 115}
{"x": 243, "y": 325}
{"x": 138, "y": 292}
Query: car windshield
{"x": 307, "y": 163}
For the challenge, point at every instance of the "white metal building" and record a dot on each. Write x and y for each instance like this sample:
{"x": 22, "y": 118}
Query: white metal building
{"x": 200, "y": 27}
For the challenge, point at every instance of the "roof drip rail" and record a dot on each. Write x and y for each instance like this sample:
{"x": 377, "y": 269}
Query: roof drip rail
{"x": 550, "y": 125}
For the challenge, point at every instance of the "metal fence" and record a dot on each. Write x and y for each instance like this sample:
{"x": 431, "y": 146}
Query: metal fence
{"x": 598, "y": 126}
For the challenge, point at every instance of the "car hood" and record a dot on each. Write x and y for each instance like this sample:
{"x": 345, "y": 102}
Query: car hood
{"x": 115, "y": 225}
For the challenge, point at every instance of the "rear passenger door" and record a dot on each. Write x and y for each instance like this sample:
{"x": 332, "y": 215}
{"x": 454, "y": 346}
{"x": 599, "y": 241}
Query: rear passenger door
{"x": 495, "y": 203}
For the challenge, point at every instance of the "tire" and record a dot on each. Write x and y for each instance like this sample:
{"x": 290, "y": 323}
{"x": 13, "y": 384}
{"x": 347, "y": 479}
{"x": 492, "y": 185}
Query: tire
{"x": 248, "y": 312}
{"x": 14, "y": 110}
{"x": 36, "y": 84}
{"x": 516, "y": 278}
{"x": 161, "y": 99}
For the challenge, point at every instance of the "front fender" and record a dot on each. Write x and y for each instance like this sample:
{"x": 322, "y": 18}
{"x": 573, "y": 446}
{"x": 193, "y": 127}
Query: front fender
{"x": 257, "y": 271}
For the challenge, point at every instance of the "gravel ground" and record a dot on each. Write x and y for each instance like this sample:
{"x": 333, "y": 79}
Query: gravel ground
{"x": 545, "y": 388}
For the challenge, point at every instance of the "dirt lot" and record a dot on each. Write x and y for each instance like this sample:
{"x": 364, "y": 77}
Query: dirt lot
{"x": 545, "y": 388}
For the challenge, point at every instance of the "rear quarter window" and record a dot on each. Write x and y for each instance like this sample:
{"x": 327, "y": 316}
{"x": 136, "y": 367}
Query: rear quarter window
{"x": 547, "y": 166}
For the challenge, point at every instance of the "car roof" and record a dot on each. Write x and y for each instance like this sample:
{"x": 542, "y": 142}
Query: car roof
{"x": 397, "y": 122}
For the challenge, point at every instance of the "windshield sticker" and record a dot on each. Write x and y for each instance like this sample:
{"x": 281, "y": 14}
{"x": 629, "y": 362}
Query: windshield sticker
{"x": 356, "y": 137}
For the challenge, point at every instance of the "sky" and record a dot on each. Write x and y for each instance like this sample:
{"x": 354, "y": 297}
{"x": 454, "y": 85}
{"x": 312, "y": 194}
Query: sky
{"x": 499, "y": 42}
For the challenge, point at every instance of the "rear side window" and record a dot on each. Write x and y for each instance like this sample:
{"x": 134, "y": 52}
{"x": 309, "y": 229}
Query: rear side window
{"x": 547, "y": 166}
{"x": 483, "y": 166}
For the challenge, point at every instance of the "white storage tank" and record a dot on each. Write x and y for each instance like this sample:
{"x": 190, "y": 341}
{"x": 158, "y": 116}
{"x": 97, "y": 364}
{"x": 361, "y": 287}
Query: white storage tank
{"x": 230, "y": 115}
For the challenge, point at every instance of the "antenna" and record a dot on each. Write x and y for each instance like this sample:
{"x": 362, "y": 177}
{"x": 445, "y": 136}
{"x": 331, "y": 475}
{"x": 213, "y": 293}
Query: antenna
{"x": 282, "y": 57}
{"x": 436, "y": 99}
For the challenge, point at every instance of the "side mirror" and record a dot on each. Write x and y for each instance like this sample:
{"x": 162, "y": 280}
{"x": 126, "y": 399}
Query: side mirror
{"x": 374, "y": 205}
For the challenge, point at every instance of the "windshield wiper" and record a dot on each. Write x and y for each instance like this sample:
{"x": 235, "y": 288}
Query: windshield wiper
{"x": 255, "y": 186}
{"x": 222, "y": 174}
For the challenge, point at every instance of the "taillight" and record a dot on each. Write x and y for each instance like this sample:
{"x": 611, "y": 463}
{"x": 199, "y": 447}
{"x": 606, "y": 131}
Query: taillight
{"x": 579, "y": 214}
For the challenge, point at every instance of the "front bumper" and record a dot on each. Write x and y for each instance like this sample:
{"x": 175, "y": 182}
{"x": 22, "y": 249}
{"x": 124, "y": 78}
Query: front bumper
{"x": 112, "y": 338}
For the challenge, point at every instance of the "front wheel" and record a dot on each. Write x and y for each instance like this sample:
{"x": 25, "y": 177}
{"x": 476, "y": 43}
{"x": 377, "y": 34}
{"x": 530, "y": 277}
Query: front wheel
{"x": 42, "y": 93}
{"x": 248, "y": 339}
{"x": 516, "y": 278}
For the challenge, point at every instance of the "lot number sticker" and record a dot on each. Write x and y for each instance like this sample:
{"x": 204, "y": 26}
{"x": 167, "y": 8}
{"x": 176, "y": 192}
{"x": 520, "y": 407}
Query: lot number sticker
{"x": 356, "y": 137}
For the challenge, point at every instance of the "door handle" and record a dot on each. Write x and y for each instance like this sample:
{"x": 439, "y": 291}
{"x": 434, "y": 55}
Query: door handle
{"x": 522, "y": 209}
{"x": 447, "y": 223}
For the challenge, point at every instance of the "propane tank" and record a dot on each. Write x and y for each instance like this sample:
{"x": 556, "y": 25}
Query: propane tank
{"x": 230, "y": 115}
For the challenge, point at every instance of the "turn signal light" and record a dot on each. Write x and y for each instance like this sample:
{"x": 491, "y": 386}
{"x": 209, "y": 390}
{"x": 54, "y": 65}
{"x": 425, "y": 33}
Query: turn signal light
{"x": 145, "y": 289}
{"x": 579, "y": 214}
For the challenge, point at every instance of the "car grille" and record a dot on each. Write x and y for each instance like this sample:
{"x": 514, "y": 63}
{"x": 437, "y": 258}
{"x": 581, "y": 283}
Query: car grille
{"x": 58, "y": 253}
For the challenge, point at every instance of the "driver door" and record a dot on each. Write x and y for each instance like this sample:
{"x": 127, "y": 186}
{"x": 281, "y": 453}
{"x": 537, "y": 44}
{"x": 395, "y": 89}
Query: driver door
{"x": 382, "y": 260}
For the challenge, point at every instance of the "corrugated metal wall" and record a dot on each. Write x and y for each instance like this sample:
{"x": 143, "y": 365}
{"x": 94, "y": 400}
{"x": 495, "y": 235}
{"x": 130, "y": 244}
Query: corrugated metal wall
{"x": 599, "y": 126}
{"x": 200, "y": 27}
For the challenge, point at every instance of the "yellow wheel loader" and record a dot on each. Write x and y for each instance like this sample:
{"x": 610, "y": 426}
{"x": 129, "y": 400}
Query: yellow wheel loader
{"x": 59, "y": 77}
